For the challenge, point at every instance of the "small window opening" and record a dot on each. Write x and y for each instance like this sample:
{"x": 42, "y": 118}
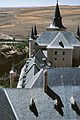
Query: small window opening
{"x": 63, "y": 52}
{"x": 55, "y": 52}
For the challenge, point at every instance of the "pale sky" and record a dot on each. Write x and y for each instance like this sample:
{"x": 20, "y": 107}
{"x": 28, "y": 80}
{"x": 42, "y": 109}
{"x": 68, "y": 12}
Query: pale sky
{"x": 30, "y": 3}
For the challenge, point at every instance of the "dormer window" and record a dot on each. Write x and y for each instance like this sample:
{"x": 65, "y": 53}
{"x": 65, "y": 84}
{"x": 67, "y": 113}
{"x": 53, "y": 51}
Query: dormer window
{"x": 61, "y": 44}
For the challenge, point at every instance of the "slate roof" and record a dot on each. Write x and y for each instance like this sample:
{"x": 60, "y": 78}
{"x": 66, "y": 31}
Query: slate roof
{"x": 57, "y": 39}
{"x": 39, "y": 55}
{"x": 27, "y": 73}
{"x": 6, "y": 112}
{"x": 32, "y": 81}
{"x": 71, "y": 38}
{"x": 60, "y": 76}
{"x": 20, "y": 98}
{"x": 30, "y": 69}
{"x": 48, "y": 36}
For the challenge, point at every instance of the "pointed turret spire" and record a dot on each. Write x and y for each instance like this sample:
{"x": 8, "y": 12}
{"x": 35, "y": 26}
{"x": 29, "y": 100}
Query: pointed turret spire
{"x": 13, "y": 67}
{"x": 32, "y": 33}
{"x": 78, "y": 31}
{"x": 57, "y": 11}
{"x": 13, "y": 76}
{"x": 35, "y": 30}
{"x": 57, "y": 19}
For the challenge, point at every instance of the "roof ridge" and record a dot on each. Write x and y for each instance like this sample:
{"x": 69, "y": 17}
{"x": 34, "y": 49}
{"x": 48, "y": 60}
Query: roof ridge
{"x": 53, "y": 40}
{"x": 15, "y": 114}
{"x": 59, "y": 33}
{"x": 75, "y": 38}
{"x": 66, "y": 40}
{"x": 34, "y": 80}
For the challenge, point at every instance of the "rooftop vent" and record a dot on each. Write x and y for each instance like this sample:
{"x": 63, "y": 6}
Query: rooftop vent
{"x": 74, "y": 105}
{"x": 61, "y": 44}
{"x": 49, "y": 64}
{"x": 58, "y": 107}
{"x": 44, "y": 59}
{"x": 33, "y": 108}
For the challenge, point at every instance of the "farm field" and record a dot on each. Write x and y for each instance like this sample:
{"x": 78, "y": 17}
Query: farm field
{"x": 17, "y": 22}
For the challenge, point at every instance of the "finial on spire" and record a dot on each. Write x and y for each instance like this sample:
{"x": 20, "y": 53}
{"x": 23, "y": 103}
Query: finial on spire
{"x": 57, "y": 1}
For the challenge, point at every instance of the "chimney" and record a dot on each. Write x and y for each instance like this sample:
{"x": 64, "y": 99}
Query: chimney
{"x": 45, "y": 80}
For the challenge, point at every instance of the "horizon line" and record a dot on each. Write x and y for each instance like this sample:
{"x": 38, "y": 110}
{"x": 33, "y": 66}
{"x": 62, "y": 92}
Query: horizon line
{"x": 35, "y": 6}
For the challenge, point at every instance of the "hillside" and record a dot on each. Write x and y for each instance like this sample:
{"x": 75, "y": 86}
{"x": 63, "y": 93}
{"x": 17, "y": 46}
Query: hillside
{"x": 18, "y": 21}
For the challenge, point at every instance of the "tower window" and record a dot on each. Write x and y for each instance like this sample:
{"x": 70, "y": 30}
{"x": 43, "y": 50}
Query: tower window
{"x": 63, "y": 52}
{"x": 55, "y": 52}
{"x": 55, "y": 58}
{"x": 63, "y": 59}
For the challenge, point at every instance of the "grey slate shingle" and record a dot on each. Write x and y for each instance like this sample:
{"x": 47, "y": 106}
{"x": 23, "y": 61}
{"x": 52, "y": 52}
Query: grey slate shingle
{"x": 60, "y": 76}
{"x": 20, "y": 99}
{"x": 34, "y": 65}
{"x": 57, "y": 39}
{"x": 6, "y": 112}
{"x": 48, "y": 36}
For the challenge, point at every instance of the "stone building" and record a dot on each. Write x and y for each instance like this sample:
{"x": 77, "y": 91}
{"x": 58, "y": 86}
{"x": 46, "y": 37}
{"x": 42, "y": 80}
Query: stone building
{"x": 52, "y": 93}
{"x": 61, "y": 46}
{"x": 54, "y": 47}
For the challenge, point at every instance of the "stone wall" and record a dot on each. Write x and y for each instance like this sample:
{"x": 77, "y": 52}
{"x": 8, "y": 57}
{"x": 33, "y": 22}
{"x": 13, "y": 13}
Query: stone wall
{"x": 76, "y": 56}
{"x": 62, "y": 57}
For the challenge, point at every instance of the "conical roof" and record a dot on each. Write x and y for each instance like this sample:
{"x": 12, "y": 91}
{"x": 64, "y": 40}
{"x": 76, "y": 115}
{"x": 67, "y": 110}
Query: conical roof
{"x": 32, "y": 33}
{"x": 57, "y": 11}
{"x": 57, "y": 19}
{"x": 35, "y": 30}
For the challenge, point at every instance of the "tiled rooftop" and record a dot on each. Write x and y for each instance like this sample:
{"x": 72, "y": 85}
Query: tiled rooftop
{"x": 6, "y": 112}
{"x": 48, "y": 36}
{"x": 20, "y": 98}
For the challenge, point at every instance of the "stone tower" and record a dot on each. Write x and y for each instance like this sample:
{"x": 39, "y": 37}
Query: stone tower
{"x": 13, "y": 75}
